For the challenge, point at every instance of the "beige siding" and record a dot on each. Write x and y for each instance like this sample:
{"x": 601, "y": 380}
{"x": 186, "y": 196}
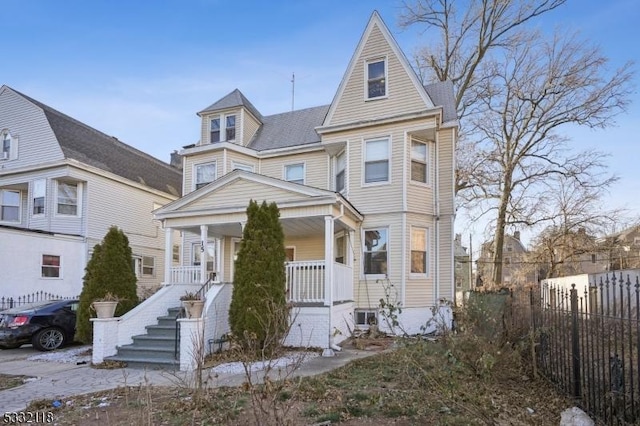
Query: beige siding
{"x": 307, "y": 248}
{"x": 446, "y": 171}
{"x": 236, "y": 157}
{"x": 402, "y": 96}
{"x": 188, "y": 178}
{"x": 420, "y": 196}
{"x": 239, "y": 193}
{"x": 420, "y": 289}
{"x": 249, "y": 128}
{"x": 316, "y": 167}
{"x": 36, "y": 142}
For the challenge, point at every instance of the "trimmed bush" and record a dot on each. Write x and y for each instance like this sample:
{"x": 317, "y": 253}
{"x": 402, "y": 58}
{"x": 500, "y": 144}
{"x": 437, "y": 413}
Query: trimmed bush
{"x": 109, "y": 270}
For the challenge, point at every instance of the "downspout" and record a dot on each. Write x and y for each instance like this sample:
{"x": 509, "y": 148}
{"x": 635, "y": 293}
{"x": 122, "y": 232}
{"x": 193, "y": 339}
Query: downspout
{"x": 437, "y": 226}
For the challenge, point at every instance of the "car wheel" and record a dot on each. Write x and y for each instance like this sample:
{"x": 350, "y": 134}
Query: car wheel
{"x": 13, "y": 346}
{"x": 48, "y": 339}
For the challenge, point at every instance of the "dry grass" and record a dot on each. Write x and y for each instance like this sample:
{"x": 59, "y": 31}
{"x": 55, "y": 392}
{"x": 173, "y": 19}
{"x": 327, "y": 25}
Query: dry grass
{"x": 455, "y": 381}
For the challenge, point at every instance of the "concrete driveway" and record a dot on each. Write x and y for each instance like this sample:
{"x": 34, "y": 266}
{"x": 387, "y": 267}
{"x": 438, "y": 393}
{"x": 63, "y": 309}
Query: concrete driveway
{"x": 22, "y": 352}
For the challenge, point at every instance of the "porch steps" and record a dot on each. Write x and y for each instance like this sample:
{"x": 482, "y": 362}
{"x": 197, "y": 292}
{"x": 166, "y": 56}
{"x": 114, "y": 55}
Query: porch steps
{"x": 156, "y": 349}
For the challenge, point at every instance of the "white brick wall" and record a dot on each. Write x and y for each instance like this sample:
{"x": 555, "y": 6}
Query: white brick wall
{"x": 192, "y": 343}
{"x": 216, "y": 313}
{"x": 343, "y": 323}
{"x": 413, "y": 320}
{"x": 310, "y": 327}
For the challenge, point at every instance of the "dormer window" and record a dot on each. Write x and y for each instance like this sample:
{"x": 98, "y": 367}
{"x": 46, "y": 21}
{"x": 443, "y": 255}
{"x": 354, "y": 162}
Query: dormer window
{"x": 376, "y": 79}
{"x": 231, "y": 127}
{"x": 215, "y": 130}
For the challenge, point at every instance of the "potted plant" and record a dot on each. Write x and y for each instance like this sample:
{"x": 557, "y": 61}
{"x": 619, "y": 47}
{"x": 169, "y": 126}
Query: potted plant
{"x": 105, "y": 306}
{"x": 193, "y": 304}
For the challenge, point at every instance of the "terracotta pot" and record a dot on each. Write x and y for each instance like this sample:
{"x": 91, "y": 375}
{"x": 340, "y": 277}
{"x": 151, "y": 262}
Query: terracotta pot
{"x": 194, "y": 308}
{"x": 105, "y": 309}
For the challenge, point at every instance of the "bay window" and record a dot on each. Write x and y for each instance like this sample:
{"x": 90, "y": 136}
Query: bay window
{"x": 375, "y": 251}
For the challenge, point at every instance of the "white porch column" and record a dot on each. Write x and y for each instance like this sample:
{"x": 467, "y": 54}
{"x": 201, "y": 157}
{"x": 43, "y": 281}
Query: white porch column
{"x": 349, "y": 248}
{"x": 218, "y": 259}
{"x": 328, "y": 260}
{"x": 204, "y": 235}
{"x": 168, "y": 254}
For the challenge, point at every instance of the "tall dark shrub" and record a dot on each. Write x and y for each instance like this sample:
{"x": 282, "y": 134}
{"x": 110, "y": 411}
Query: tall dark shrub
{"x": 108, "y": 271}
{"x": 258, "y": 313}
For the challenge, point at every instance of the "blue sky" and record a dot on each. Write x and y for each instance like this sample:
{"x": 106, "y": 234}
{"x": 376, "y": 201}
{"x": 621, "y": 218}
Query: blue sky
{"x": 140, "y": 70}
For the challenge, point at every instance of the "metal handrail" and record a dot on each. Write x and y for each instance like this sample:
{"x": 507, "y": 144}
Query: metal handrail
{"x": 206, "y": 286}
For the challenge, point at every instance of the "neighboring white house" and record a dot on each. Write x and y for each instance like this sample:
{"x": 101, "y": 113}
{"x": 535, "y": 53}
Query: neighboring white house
{"x": 365, "y": 187}
{"x": 62, "y": 185}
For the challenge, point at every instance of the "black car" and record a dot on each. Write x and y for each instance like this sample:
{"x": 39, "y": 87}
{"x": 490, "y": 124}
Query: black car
{"x": 47, "y": 325}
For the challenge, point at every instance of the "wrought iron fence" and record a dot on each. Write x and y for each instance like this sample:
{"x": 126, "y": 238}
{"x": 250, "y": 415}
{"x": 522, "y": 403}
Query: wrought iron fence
{"x": 38, "y": 296}
{"x": 587, "y": 342}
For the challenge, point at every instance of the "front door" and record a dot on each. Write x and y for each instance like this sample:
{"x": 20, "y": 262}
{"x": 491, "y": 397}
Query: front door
{"x": 235, "y": 248}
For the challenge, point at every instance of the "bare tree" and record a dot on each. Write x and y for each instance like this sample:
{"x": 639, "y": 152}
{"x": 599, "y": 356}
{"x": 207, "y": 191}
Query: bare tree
{"x": 539, "y": 87}
{"x": 576, "y": 219}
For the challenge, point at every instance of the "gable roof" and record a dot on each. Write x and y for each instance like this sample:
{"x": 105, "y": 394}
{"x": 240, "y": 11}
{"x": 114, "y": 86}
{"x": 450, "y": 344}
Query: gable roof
{"x": 289, "y": 129}
{"x": 92, "y": 147}
{"x": 376, "y": 22}
{"x": 232, "y": 100}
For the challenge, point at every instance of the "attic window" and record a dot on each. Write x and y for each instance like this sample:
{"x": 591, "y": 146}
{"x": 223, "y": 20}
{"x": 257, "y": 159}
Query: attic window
{"x": 215, "y": 130}
{"x": 7, "y": 146}
{"x": 376, "y": 79}
{"x": 230, "y": 127}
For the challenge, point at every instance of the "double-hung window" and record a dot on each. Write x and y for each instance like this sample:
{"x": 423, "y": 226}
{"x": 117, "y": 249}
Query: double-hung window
{"x": 5, "y": 154}
{"x": 376, "y": 251}
{"x": 418, "y": 250}
{"x": 215, "y": 130}
{"x": 376, "y": 161}
{"x": 419, "y": 156}
{"x": 341, "y": 167}
{"x": 10, "y": 207}
{"x": 204, "y": 174}
{"x": 230, "y": 127}
{"x": 294, "y": 173}
{"x": 148, "y": 266}
{"x": 39, "y": 194}
{"x": 50, "y": 266}
{"x": 376, "y": 79}
{"x": 68, "y": 199}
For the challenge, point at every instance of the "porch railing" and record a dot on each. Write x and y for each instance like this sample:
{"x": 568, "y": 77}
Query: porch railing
{"x": 185, "y": 275}
{"x": 342, "y": 282}
{"x": 305, "y": 281}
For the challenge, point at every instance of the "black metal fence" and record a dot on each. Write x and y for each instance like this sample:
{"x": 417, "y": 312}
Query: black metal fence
{"x": 38, "y": 296}
{"x": 587, "y": 342}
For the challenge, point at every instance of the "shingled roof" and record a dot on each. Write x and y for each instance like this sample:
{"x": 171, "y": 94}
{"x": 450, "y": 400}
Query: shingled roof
{"x": 289, "y": 129}
{"x": 92, "y": 147}
{"x": 441, "y": 93}
{"x": 232, "y": 100}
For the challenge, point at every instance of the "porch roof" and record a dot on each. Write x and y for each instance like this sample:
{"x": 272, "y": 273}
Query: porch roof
{"x": 225, "y": 200}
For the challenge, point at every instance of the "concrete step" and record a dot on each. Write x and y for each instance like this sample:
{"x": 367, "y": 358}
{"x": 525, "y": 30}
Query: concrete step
{"x": 139, "y": 351}
{"x": 156, "y": 341}
{"x": 161, "y": 330}
{"x": 148, "y": 363}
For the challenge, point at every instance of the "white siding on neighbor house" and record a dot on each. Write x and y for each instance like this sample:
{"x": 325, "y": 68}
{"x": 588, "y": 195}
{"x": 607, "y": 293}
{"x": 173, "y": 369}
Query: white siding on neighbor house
{"x": 37, "y": 143}
{"x": 21, "y": 263}
{"x": 401, "y": 98}
{"x": 315, "y": 167}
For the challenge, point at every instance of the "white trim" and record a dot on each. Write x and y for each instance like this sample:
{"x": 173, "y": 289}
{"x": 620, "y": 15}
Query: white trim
{"x": 42, "y": 265}
{"x": 79, "y": 198}
{"x": 373, "y": 60}
{"x": 427, "y": 239}
{"x": 427, "y": 182}
{"x": 363, "y": 275}
{"x": 363, "y": 178}
{"x": 19, "y": 206}
{"x": 194, "y": 173}
{"x": 291, "y": 164}
{"x": 235, "y": 164}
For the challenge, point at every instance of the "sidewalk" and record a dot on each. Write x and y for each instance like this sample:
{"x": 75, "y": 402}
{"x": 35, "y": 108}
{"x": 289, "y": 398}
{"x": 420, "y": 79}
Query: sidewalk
{"x": 55, "y": 380}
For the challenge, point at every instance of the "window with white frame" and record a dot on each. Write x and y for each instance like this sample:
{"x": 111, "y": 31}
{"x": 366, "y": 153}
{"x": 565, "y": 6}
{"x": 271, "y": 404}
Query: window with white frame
{"x": 376, "y": 79}
{"x": 196, "y": 256}
{"x": 419, "y": 156}
{"x": 39, "y": 195}
{"x": 230, "y": 128}
{"x": 294, "y": 173}
{"x": 148, "y": 266}
{"x": 376, "y": 161}
{"x": 376, "y": 251}
{"x": 50, "y": 266}
{"x": 10, "y": 207}
{"x": 364, "y": 318}
{"x": 340, "y": 249}
{"x": 204, "y": 174}
{"x": 175, "y": 254}
{"x": 242, "y": 166}
{"x": 5, "y": 154}
{"x": 341, "y": 167}
{"x": 418, "y": 251}
{"x": 68, "y": 201}
{"x": 214, "y": 130}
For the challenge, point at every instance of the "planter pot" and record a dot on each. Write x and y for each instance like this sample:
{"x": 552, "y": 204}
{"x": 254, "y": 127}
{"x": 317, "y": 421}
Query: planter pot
{"x": 105, "y": 309}
{"x": 194, "y": 308}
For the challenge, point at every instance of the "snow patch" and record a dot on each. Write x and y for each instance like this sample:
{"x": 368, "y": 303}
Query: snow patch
{"x": 285, "y": 361}
{"x": 67, "y": 356}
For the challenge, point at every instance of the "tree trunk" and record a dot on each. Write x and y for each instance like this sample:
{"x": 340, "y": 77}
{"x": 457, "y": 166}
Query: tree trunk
{"x": 498, "y": 241}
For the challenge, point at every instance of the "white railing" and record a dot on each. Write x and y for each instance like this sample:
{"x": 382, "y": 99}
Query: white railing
{"x": 342, "y": 282}
{"x": 185, "y": 275}
{"x": 305, "y": 281}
